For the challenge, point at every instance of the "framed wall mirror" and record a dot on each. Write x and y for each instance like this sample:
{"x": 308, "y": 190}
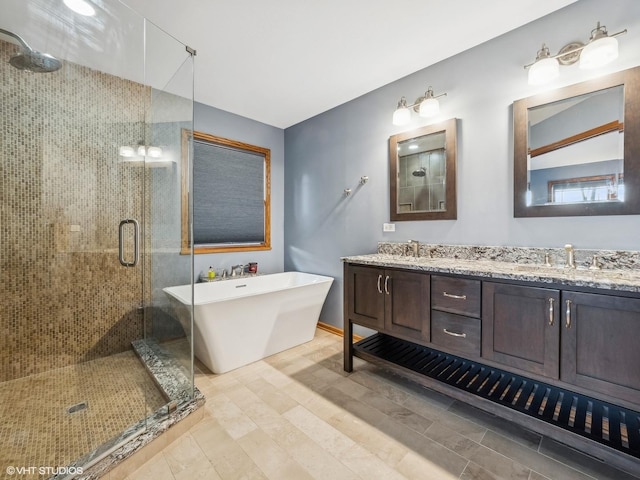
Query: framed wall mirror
{"x": 422, "y": 166}
{"x": 576, "y": 149}
{"x": 231, "y": 191}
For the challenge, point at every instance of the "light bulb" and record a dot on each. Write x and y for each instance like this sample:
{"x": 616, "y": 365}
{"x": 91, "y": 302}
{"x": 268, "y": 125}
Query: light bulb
{"x": 429, "y": 107}
{"x": 142, "y": 151}
{"x": 402, "y": 116}
{"x": 126, "y": 151}
{"x": 154, "y": 152}
{"x": 544, "y": 71}
{"x": 599, "y": 52}
{"x": 81, "y": 7}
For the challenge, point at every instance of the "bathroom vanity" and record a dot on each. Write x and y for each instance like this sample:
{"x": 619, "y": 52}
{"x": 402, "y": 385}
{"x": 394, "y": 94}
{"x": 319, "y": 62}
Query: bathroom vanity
{"x": 553, "y": 349}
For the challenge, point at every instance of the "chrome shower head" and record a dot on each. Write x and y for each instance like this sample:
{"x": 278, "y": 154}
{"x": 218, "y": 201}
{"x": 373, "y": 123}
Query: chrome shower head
{"x": 31, "y": 60}
{"x": 37, "y": 62}
{"x": 421, "y": 172}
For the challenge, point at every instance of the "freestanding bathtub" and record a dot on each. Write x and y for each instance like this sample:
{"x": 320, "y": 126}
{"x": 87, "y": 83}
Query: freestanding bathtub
{"x": 242, "y": 320}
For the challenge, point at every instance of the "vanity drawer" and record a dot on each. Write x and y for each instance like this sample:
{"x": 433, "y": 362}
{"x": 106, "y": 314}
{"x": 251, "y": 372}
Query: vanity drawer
{"x": 456, "y": 295}
{"x": 455, "y": 332}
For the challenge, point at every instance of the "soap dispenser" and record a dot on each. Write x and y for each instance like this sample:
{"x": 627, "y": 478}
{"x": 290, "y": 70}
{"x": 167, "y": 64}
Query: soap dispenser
{"x": 211, "y": 274}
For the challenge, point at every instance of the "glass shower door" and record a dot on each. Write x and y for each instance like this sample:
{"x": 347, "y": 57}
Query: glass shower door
{"x": 75, "y": 180}
{"x": 169, "y": 67}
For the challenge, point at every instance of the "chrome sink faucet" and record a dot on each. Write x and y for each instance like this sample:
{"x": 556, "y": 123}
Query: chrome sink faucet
{"x": 570, "y": 261}
{"x": 414, "y": 245}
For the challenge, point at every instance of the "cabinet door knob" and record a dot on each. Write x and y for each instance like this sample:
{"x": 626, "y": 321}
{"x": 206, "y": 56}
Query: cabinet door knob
{"x": 551, "y": 311}
{"x": 454, "y": 334}
{"x": 451, "y": 295}
{"x": 568, "y": 314}
{"x": 386, "y": 284}
{"x": 379, "y": 280}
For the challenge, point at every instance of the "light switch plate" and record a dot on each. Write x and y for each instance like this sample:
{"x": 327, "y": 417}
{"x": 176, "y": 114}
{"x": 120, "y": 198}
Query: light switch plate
{"x": 388, "y": 227}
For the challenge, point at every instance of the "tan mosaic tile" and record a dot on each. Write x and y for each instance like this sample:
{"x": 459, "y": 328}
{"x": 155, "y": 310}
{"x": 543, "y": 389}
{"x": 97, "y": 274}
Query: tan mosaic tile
{"x": 63, "y": 190}
{"x": 37, "y": 430}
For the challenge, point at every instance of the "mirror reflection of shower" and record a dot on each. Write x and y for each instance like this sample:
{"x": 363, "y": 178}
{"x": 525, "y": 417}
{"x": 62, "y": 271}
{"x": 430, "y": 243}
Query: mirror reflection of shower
{"x": 421, "y": 179}
{"x": 31, "y": 60}
{"x": 420, "y": 172}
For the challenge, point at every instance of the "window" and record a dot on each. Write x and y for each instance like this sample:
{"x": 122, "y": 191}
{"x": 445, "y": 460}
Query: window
{"x": 599, "y": 188}
{"x": 231, "y": 195}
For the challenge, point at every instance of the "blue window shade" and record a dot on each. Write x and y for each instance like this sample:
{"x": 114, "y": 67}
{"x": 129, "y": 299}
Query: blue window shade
{"x": 228, "y": 193}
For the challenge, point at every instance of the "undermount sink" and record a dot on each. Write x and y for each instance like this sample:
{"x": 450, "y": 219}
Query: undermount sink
{"x": 595, "y": 274}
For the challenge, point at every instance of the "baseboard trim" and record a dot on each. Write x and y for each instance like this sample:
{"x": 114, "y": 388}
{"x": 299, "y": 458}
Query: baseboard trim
{"x": 336, "y": 331}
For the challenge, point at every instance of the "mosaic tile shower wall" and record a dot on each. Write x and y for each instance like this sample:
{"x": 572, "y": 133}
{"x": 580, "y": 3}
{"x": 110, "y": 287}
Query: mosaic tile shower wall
{"x": 63, "y": 191}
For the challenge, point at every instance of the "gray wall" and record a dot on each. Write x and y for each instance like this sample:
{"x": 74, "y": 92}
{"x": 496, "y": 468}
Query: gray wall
{"x": 224, "y": 124}
{"x": 330, "y": 152}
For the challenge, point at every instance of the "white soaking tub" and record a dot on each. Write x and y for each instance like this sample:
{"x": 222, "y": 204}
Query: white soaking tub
{"x": 242, "y": 320}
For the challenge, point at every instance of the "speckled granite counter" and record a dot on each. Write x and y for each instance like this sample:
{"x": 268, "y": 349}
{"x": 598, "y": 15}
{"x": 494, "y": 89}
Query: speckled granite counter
{"x": 513, "y": 263}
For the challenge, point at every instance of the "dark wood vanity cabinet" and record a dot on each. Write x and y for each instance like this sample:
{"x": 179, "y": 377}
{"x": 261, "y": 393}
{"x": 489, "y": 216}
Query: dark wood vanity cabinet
{"x": 363, "y": 289}
{"x": 600, "y": 348}
{"x": 521, "y": 328}
{"x": 590, "y": 340}
{"x": 455, "y": 314}
{"x": 584, "y": 339}
{"x": 393, "y": 301}
{"x": 580, "y": 344}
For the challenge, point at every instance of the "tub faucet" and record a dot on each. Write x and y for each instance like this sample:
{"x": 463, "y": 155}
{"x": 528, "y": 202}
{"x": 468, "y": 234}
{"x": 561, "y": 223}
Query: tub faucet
{"x": 414, "y": 245}
{"x": 570, "y": 261}
{"x": 234, "y": 270}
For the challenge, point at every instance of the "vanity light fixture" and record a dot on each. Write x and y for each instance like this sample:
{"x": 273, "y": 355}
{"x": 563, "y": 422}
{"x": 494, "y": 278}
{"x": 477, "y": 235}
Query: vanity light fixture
{"x": 140, "y": 150}
{"x": 153, "y": 152}
{"x": 425, "y": 106}
{"x": 601, "y": 49}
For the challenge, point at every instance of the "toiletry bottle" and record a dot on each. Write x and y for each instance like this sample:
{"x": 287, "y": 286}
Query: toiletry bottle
{"x": 211, "y": 274}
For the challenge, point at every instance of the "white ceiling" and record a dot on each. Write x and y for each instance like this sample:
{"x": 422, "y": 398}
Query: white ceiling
{"x": 281, "y": 61}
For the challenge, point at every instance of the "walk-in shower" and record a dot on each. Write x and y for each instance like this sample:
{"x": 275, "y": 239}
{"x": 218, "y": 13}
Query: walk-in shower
{"x": 86, "y": 338}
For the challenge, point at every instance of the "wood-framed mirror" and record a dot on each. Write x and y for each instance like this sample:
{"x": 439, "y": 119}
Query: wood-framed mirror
{"x": 422, "y": 170}
{"x": 577, "y": 149}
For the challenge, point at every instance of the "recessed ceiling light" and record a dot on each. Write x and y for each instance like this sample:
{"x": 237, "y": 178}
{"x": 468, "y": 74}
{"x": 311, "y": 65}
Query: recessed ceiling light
{"x": 81, "y": 7}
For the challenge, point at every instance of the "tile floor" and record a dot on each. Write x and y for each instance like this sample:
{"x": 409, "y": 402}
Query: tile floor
{"x": 297, "y": 415}
{"x": 36, "y": 429}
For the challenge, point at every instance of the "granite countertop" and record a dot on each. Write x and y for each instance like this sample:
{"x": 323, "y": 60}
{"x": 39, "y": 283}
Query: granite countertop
{"x": 627, "y": 280}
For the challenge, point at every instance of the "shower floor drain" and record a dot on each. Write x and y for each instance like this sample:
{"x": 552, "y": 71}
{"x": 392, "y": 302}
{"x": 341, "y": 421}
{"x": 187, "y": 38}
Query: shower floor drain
{"x": 602, "y": 422}
{"x": 78, "y": 407}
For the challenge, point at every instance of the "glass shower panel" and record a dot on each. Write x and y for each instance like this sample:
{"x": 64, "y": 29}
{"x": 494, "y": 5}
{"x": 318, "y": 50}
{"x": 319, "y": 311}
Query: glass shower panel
{"x": 74, "y": 197}
{"x": 169, "y": 70}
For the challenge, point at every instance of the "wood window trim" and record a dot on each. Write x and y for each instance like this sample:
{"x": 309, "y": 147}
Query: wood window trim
{"x": 185, "y": 244}
{"x": 594, "y": 178}
{"x": 579, "y": 137}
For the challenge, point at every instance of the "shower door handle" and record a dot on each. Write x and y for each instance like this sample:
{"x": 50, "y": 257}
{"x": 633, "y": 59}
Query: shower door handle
{"x": 136, "y": 242}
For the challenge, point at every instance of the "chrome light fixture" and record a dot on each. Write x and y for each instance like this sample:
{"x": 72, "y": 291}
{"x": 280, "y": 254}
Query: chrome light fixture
{"x": 545, "y": 68}
{"x": 601, "y": 49}
{"x": 138, "y": 152}
{"x": 425, "y": 106}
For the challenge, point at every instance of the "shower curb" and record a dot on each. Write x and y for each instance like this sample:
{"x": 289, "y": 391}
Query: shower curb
{"x": 165, "y": 371}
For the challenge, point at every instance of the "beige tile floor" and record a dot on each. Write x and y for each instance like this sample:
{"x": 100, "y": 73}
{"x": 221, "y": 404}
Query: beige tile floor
{"x": 297, "y": 415}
